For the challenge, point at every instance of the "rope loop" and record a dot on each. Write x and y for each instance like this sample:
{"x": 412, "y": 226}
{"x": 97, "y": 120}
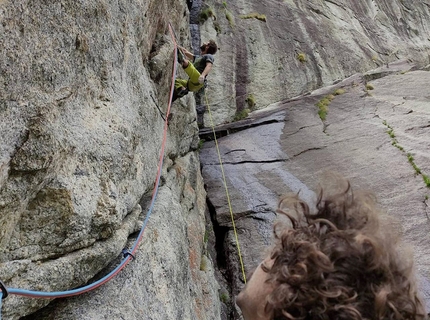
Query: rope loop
{"x": 126, "y": 253}
{"x": 3, "y": 290}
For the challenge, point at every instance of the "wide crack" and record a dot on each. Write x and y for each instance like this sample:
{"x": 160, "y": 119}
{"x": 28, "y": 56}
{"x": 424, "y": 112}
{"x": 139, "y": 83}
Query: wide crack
{"x": 224, "y": 273}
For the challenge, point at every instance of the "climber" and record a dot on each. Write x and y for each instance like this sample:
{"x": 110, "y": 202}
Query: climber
{"x": 197, "y": 70}
{"x": 339, "y": 263}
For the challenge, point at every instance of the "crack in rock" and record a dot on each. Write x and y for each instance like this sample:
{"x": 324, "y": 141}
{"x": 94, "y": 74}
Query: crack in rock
{"x": 299, "y": 129}
{"x": 207, "y": 133}
{"x": 417, "y": 127}
{"x": 336, "y": 4}
{"x": 236, "y": 150}
{"x": 318, "y": 11}
{"x": 248, "y": 161}
{"x": 307, "y": 150}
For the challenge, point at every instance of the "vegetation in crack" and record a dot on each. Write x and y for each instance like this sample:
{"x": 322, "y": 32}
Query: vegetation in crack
{"x": 301, "y": 57}
{"x": 409, "y": 156}
{"x": 324, "y": 103}
{"x": 240, "y": 115}
{"x": 254, "y": 15}
{"x": 206, "y": 14}
{"x": 250, "y": 101}
{"x": 369, "y": 87}
{"x": 228, "y": 15}
{"x": 200, "y": 145}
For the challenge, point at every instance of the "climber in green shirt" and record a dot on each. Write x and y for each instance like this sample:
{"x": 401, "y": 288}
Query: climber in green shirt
{"x": 196, "y": 67}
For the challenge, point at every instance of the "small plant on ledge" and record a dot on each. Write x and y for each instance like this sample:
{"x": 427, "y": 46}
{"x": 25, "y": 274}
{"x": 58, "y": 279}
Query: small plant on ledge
{"x": 301, "y": 57}
{"x": 254, "y": 15}
{"x": 240, "y": 115}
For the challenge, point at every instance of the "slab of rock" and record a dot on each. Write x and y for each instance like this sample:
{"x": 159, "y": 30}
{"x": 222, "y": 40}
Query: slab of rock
{"x": 259, "y": 57}
{"x": 369, "y": 136}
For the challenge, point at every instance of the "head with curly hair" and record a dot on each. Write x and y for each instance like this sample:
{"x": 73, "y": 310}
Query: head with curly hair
{"x": 209, "y": 47}
{"x": 337, "y": 263}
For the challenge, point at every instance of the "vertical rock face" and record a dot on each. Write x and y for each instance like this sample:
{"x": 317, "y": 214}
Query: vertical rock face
{"x": 272, "y": 50}
{"x": 80, "y": 83}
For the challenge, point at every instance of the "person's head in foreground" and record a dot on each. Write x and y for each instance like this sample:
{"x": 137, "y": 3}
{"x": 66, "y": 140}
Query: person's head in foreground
{"x": 337, "y": 263}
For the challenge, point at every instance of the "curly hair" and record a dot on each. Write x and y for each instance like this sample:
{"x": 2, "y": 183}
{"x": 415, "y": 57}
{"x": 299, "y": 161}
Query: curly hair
{"x": 339, "y": 264}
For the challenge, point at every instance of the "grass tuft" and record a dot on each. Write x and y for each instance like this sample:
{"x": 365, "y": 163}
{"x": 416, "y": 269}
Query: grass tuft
{"x": 230, "y": 18}
{"x": 426, "y": 180}
{"x": 241, "y": 115}
{"x": 204, "y": 264}
{"x": 250, "y": 100}
{"x": 339, "y": 91}
{"x": 254, "y": 15}
{"x": 323, "y": 108}
{"x": 206, "y": 14}
{"x": 322, "y": 114}
{"x": 200, "y": 145}
{"x": 224, "y": 297}
{"x": 301, "y": 57}
{"x": 409, "y": 156}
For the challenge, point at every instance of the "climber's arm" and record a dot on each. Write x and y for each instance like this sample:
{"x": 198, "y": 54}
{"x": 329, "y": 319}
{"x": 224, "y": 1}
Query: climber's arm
{"x": 207, "y": 69}
{"x": 188, "y": 54}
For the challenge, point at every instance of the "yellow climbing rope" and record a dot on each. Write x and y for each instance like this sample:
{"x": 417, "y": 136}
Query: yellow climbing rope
{"x": 226, "y": 190}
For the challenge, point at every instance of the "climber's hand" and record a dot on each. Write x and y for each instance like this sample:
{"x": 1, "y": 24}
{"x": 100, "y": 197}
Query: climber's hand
{"x": 201, "y": 79}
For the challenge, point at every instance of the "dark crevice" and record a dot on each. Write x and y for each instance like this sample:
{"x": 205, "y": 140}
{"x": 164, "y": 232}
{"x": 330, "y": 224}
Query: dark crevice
{"x": 221, "y": 260}
{"x": 207, "y": 134}
{"x": 307, "y": 150}
{"x": 336, "y": 4}
{"x": 299, "y": 129}
{"x": 418, "y": 127}
{"x": 235, "y": 150}
{"x": 318, "y": 11}
{"x": 220, "y": 234}
{"x": 249, "y": 161}
{"x": 146, "y": 198}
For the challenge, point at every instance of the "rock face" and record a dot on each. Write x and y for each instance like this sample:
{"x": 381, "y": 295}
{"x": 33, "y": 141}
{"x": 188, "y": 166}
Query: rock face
{"x": 80, "y": 84}
{"x": 84, "y": 87}
{"x": 376, "y": 134}
{"x": 273, "y": 50}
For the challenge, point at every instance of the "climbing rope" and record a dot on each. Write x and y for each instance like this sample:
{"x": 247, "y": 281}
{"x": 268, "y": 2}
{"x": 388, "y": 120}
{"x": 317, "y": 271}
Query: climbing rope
{"x": 1, "y": 297}
{"x": 226, "y": 190}
{"x": 127, "y": 254}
